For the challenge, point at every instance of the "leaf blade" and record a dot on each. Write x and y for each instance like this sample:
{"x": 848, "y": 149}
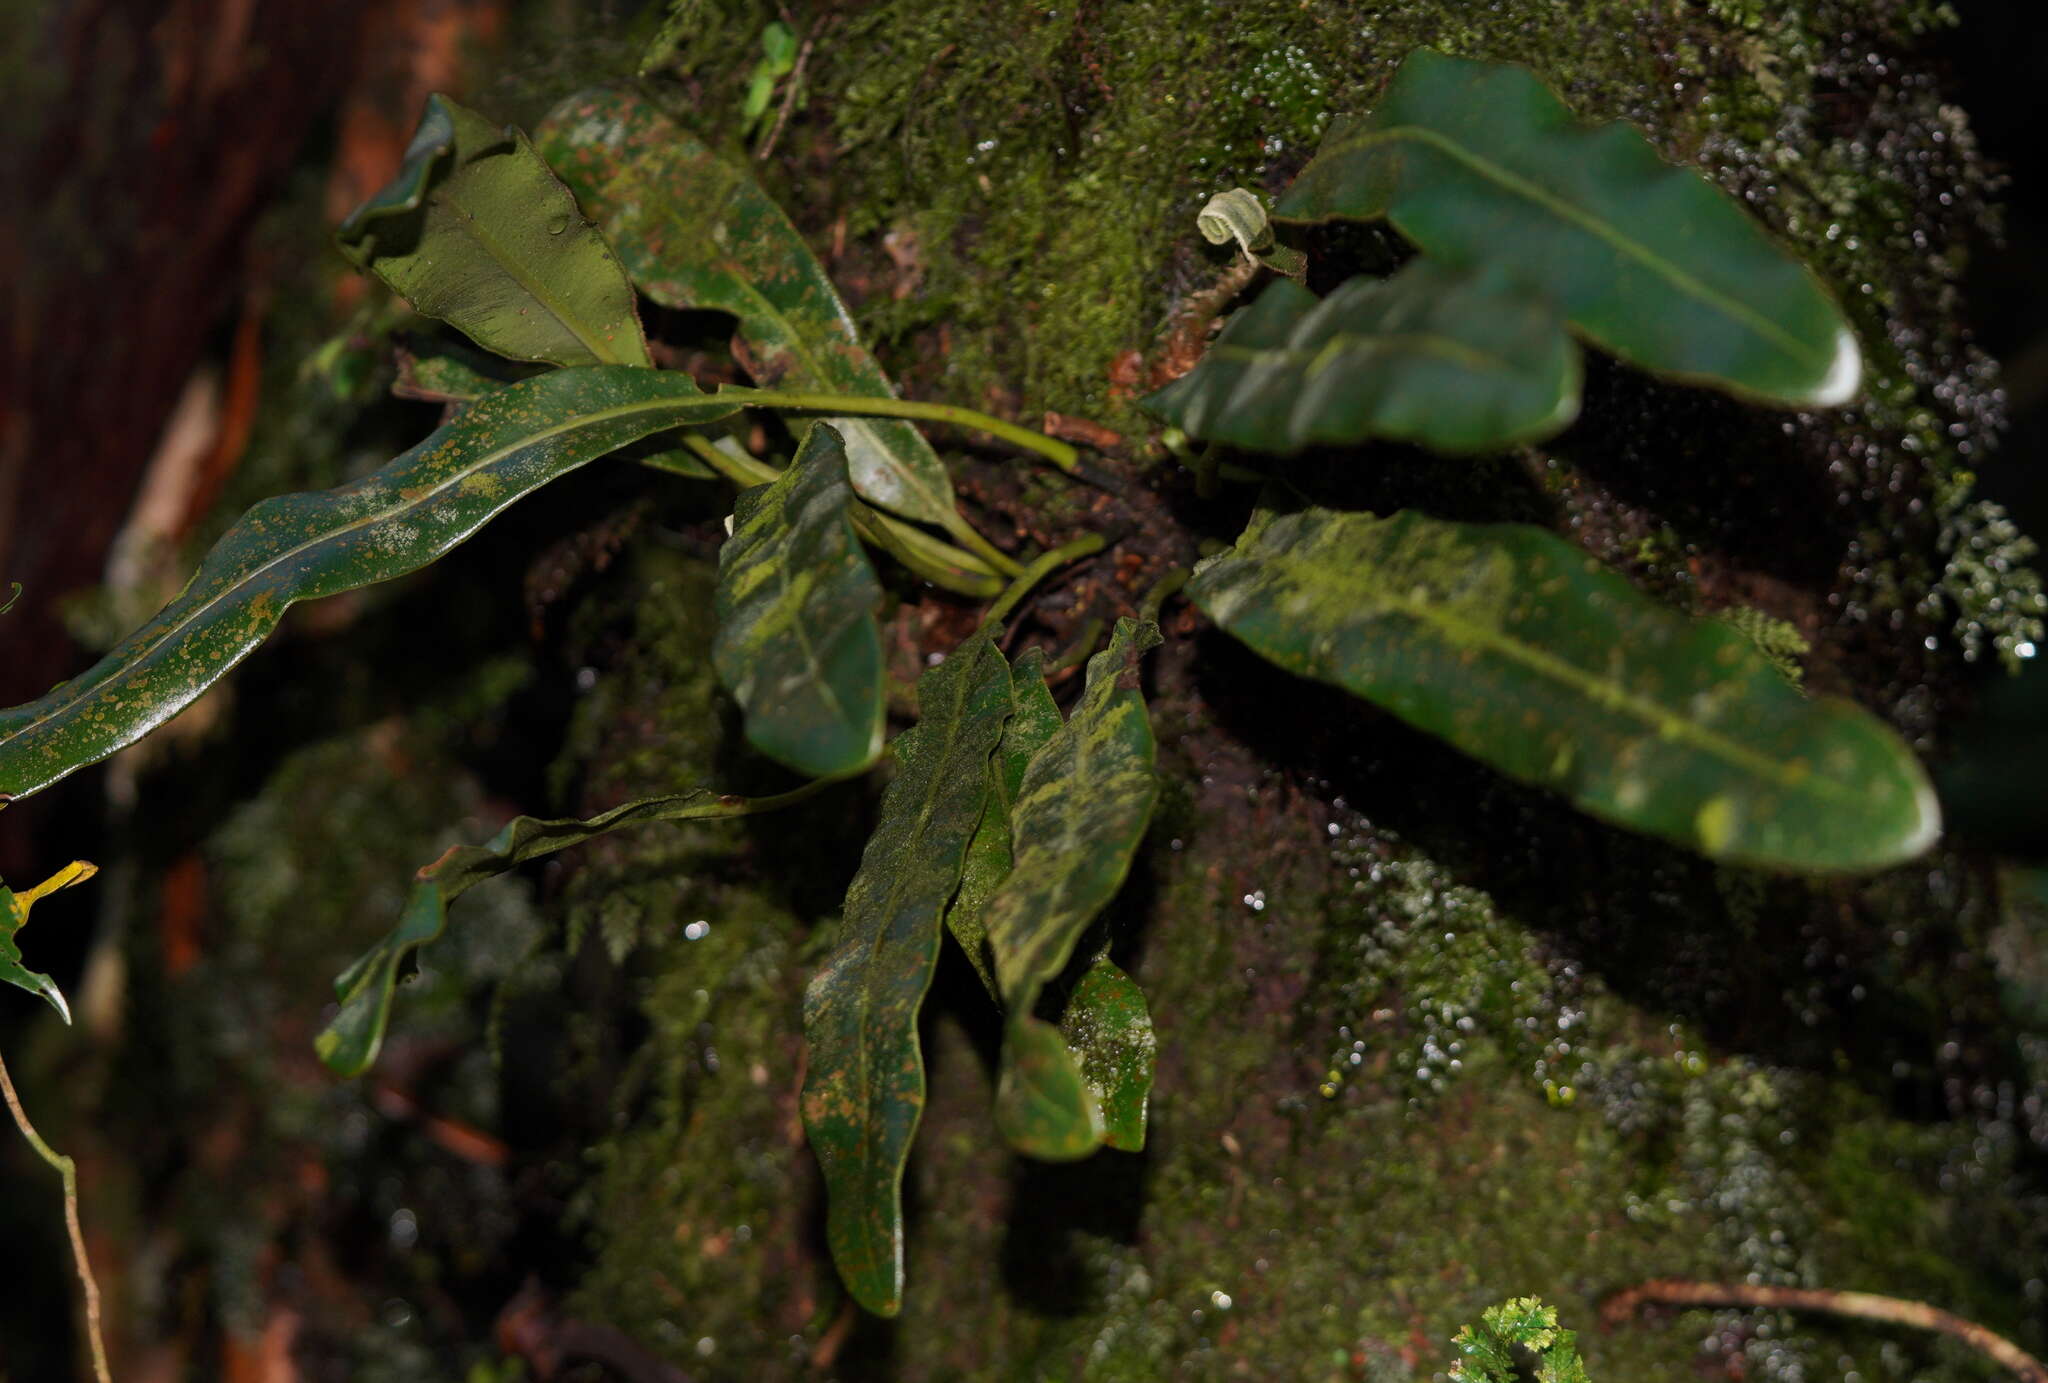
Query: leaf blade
{"x": 797, "y": 643}
{"x": 1082, "y": 808}
{"x": 1459, "y": 361}
{"x": 696, "y": 232}
{"x": 1034, "y": 719}
{"x": 14, "y": 910}
{"x": 1480, "y": 162}
{"x": 864, "y": 1089}
{"x": 296, "y": 547}
{"x": 1509, "y": 643}
{"x": 1108, "y": 1026}
{"x": 476, "y": 231}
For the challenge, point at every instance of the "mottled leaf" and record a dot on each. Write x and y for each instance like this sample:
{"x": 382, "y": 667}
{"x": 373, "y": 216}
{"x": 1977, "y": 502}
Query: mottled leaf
{"x": 14, "y": 910}
{"x": 1457, "y": 360}
{"x": 696, "y": 231}
{"x": 1108, "y": 1025}
{"x": 797, "y": 643}
{"x": 1479, "y": 163}
{"x": 1034, "y": 719}
{"x": 297, "y": 547}
{"x": 476, "y": 231}
{"x": 1514, "y": 646}
{"x": 864, "y": 1089}
{"x": 349, "y": 1044}
{"x": 1080, "y": 814}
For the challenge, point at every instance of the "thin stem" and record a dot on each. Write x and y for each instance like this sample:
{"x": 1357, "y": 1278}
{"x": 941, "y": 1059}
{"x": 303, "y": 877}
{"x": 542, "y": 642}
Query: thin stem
{"x": 1162, "y": 589}
{"x": 939, "y": 563}
{"x": 1080, "y": 651}
{"x": 69, "y": 1172}
{"x": 1862, "y": 1305}
{"x": 980, "y": 546}
{"x": 1053, "y": 450}
{"x": 1039, "y": 569}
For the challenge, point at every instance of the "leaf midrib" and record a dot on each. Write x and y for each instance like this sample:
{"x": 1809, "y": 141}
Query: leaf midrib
{"x": 1600, "y": 229}
{"x": 1663, "y": 722}
{"x": 487, "y": 460}
{"x": 476, "y": 228}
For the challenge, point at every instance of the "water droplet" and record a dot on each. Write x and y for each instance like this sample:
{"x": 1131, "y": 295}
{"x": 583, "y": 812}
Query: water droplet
{"x": 558, "y": 223}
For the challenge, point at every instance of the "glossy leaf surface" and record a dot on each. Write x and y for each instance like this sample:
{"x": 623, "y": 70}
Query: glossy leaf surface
{"x": 1480, "y": 163}
{"x": 350, "y": 1043}
{"x": 1511, "y": 644}
{"x": 297, "y": 547}
{"x": 1109, "y": 1027}
{"x": 14, "y": 910}
{"x": 797, "y": 642}
{"x": 476, "y": 231}
{"x": 698, "y": 232}
{"x": 1457, "y": 360}
{"x": 1034, "y": 719}
{"x": 864, "y": 1088}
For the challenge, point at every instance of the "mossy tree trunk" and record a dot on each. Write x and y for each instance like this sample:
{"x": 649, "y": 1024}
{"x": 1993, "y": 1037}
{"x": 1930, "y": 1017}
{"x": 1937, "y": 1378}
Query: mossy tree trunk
{"x": 1429, "y": 1039}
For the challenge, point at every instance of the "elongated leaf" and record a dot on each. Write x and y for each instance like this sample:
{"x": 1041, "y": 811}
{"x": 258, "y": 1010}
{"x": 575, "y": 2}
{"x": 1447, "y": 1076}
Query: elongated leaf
{"x": 864, "y": 1090}
{"x": 1034, "y": 719}
{"x": 1479, "y": 163}
{"x": 1085, "y": 801}
{"x": 297, "y": 547}
{"x": 697, "y": 232}
{"x": 476, "y": 231}
{"x": 1457, "y": 360}
{"x": 444, "y": 372}
{"x": 797, "y": 643}
{"x": 350, "y": 1043}
{"x": 1508, "y": 642}
{"x": 1109, "y": 1027}
{"x": 14, "y": 910}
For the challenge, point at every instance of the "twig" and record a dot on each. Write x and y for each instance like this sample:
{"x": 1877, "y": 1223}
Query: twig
{"x": 1861, "y": 1305}
{"x": 69, "y": 1172}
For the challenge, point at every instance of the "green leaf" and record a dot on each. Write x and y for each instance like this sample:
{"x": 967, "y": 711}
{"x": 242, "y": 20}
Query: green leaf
{"x": 1109, "y": 1027}
{"x": 445, "y": 372}
{"x": 14, "y": 910}
{"x": 1511, "y": 644}
{"x": 1044, "y": 1106}
{"x": 1034, "y": 719}
{"x": 1487, "y": 1354}
{"x": 297, "y": 547}
{"x": 698, "y": 232}
{"x": 476, "y": 231}
{"x": 1456, "y": 360}
{"x": 1085, "y": 801}
{"x": 349, "y": 1044}
{"x": 797, "y": 643}
{"x": 1479, "y": 163}
{"x": 864, "y": 1091}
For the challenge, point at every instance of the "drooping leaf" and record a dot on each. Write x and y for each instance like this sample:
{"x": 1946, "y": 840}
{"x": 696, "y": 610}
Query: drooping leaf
{"x": 444, "y": 372}
{"x": 349, "y": 1044}
{"x": 1109, "y": 1026}
{"x": 697, "y": 232}
{"x": 476, "y": 231}
{"x": 1480, "y": 163}
{"x": 297, "y": 547}
{"x": 864, "y": 1090}
{"x": 14, "y": 910}
{"x": 1086, "y": 799}
{"x": 797, "y": 642}
{"x": 1034, "y": 719}
{"x": 1044, "y": 1106}
{"x": 1457, "y": 360}
{"x": 1511, "y": 644}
